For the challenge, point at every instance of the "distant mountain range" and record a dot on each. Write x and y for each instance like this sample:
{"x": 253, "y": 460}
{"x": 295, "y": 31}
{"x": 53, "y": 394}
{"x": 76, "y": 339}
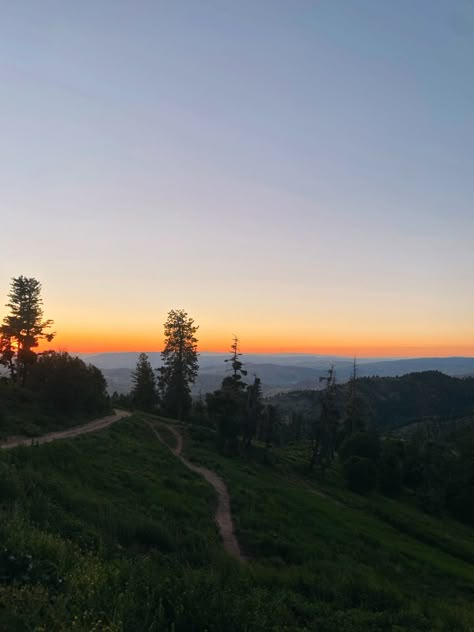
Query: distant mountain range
{"x": 279, "y": 372}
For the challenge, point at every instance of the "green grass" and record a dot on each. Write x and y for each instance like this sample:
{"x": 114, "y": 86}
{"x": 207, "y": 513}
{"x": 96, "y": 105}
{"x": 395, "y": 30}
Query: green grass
{"x": 121, "y": 537}
{"x": 372, "y": 553}
{"x": 23, "y": 413}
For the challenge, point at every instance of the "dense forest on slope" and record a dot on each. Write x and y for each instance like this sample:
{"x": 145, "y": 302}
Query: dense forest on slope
{"x": 391, "y": 402}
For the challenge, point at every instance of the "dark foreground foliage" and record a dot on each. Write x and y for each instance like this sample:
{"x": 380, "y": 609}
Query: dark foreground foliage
{"x": 122, "y": 537}
{"x": 62, "y": 390}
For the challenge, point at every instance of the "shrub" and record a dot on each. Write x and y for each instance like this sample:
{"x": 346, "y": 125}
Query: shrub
{"x": 459, "y": 502}
{"x": 360, "y": 474}
{"x": 362, "y": 444}
{"x": 390, "y": 469}
{"x": 68, "y": 385}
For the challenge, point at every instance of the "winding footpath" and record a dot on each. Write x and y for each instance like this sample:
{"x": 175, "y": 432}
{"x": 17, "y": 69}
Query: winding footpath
{"x": 223, "y": 516}
{"x": 91, "y": 426}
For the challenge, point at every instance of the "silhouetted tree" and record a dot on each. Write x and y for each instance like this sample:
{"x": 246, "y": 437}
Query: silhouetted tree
{"x": 438, "y": 460}
{"x": 236, "y": 367}
{"x": 269, "y": 426}
{"x": 325, "y": 428}
{"x": 438, "y": 465}
{"x": 297, "y": 427}
{"x": 362, "y": 444}
{"x": 180, "y": 364}
{"x": 120, "y": 400}
{"x": 199, "y": 414}
{"x": 253, "y": 411}
{"x": 67, "y": 385}
{"x": 23, "y": 327}
{"x": 355, "y": 420}
{"x": 390, "y": 467}
{"x": 227, "y": 405}
{"x": 7, "y": 351}
{"x": 144, "y": 392}
{"x": 360, "y": 474}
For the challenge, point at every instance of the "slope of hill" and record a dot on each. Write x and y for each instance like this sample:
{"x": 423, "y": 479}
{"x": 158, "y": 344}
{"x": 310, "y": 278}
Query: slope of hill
{"x": 426, "y": 395}
{"x": 111, "y": 532}
{"x": 391, "y": 402}
{"x": 456, "y": 366}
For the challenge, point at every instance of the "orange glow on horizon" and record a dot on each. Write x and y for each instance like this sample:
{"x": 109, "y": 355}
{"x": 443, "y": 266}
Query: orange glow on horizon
{"x": 108, "y": 342}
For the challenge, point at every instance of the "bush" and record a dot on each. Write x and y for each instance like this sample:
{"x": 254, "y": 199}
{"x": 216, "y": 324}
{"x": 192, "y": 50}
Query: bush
{"x": 23, "y": 569}
{"x": 390, "y": 477}
{"x": 360, "y": 444}
{"x": 390, "y": 469}
{"x": 360, "y": 474}
{"x": 68, "y": 385}
{"x": 459, "y": 502}
{"x": 10, "y": 487}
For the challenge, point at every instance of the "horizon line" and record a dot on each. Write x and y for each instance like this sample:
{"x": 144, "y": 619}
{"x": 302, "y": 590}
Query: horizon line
{"x": 294, "y": 353}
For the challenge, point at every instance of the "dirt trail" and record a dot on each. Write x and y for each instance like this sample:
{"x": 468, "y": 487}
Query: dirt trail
{"x": 91, "y": 426}
{"x": 223, "y": 516}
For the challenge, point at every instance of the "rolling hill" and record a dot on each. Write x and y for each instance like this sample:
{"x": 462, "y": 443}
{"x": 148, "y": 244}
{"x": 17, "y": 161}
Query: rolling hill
{"x": 279, "y": 372}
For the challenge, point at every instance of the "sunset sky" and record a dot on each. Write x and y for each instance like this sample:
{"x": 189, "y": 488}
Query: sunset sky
{"x": 298, "y": 172}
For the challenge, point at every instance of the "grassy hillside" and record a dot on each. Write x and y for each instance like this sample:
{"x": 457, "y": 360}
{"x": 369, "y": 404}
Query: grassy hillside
{"x": 23, "y": 412}
{"x": 121, "y": 537}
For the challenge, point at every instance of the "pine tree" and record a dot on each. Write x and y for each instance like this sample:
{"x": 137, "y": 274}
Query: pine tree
{"x": 235, "y": 380}
{"x": 354, "y": 414}
{"x": 227, "y": 406}
{"x": 180, "y": 364}
{"x": 23, "y": 327}
{"x": 325, "y": 428}
{"x": 268, "y": 429}
{"x": 144, "y": 394}
{"x": 253, "y": 411}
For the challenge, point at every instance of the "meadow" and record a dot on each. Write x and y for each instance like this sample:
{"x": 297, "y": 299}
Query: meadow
{"x": 111, "y": 532}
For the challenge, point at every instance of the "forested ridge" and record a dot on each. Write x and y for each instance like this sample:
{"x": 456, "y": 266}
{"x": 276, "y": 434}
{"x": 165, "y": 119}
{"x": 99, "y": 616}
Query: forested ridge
{"x": 392, "y": 402}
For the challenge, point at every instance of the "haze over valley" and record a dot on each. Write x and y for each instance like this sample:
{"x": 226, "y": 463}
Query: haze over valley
{"x": 278, "y": 372}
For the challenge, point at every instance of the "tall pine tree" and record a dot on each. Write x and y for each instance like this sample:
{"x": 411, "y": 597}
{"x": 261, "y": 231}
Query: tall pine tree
{"x": 227, "y": 406}
{"x": 23, "y": 327}
{"x": 253, "y": 411}
{"x": 180, "y": 364}
{"x": 325, "y": 428}
{"x": 144, "y": 392}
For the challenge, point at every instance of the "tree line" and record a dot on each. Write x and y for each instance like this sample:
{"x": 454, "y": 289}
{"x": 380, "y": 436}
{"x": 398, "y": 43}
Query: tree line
{"x": 430, "y": 463}
{"x": 236, "y": 410}
{"x": 435, "y": 463}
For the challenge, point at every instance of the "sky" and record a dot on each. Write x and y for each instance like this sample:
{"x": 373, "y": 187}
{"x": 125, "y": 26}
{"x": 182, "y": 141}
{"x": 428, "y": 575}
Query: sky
{"x": 299, "y": 173}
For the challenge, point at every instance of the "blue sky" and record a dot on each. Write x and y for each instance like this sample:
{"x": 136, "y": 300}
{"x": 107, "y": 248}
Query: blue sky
{"x": 300, "y": 172}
